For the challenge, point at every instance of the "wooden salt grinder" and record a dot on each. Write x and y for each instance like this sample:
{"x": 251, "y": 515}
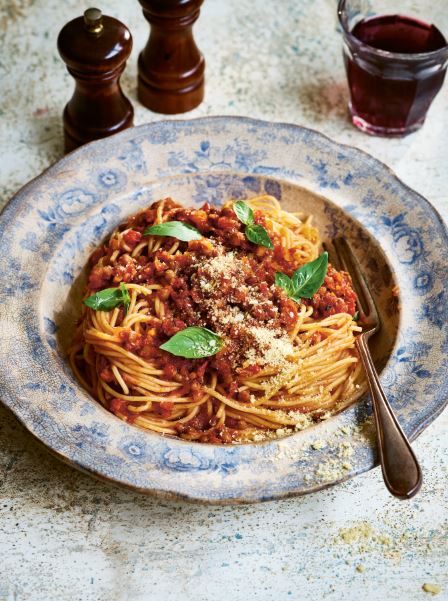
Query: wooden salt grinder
{"x": 95, "y": 49}
{"x": 170, "y": 67}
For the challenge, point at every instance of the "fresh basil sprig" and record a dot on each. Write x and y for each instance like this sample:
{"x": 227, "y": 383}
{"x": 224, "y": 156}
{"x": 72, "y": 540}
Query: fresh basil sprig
{"x": 176, "y": 229}
{"x": 254, "y": 233}
{"x": 109, "y": 298}
{"x": 306, "y": 280}
{"x": 193, "y": 343}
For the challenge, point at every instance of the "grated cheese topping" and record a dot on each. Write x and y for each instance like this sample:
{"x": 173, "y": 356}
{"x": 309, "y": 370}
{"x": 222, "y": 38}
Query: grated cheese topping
{"x": 265, "y": 345}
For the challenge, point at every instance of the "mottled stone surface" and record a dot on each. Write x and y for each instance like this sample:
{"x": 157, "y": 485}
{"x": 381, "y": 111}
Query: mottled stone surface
{"x": 64, "y": 536}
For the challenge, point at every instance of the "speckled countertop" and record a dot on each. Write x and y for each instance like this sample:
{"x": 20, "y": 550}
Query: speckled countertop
{"x": 64, "y": 536}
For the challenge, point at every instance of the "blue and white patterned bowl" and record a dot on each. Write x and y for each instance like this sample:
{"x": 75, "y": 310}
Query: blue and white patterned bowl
{"x": 49, "y": 228}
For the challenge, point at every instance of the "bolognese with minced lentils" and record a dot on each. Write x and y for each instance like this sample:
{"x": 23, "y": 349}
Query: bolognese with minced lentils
{"x": 217, "y": 324}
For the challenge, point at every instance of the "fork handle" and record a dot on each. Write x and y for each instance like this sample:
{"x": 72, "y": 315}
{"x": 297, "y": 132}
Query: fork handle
{"x": 401, "y": 470}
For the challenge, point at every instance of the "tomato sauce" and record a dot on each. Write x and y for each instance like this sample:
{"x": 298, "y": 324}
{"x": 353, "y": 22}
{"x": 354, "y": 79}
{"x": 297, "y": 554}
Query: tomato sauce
{"x": 223, "y": 282}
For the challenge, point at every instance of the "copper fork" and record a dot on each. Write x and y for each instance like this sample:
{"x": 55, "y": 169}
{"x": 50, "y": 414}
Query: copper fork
{"x": 401, "y": 470}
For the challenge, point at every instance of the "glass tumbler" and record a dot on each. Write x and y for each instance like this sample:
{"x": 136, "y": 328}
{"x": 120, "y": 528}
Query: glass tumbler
{"x": 395, "y": 55}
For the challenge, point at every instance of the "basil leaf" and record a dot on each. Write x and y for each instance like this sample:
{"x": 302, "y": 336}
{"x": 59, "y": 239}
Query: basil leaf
{"x": 306, "y": 280}
{"x": 309, "y": 278}
{"x": 254, "y": 233}
{"x": 126, "y": 299}
{"x": 106, "y": 299}
{"x": 193, "y": 343}
{"x": 176, "y": 229}
{"x": 285, "y": 282}
{"x": 258, "y": 235}
{"x": 355, "y": 316}
{"x": 243, "y": 212}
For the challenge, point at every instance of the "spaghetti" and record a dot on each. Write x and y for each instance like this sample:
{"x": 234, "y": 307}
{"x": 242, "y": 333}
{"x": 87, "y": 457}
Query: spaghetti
{"x": 283, "y": 363}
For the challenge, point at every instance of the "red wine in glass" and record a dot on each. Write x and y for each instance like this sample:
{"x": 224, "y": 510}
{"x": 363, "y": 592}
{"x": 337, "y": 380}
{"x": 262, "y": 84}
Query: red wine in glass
{"x": 391, "y": 76}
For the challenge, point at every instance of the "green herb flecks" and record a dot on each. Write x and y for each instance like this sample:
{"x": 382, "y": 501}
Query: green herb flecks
{"x": 306, "y": 280}
{"x": 193, "y": 343}
{"x": 176, "y": 229}
{"x": 253, "y": 232}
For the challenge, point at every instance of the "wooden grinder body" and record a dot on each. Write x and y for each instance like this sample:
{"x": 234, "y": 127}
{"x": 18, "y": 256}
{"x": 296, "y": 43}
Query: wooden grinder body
{"x": 170, "y": 67}
{"x": 98, "y": 107}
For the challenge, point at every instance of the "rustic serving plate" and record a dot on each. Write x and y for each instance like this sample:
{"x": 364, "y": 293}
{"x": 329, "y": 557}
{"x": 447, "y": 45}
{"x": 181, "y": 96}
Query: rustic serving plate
{"x": 49, "y": 228}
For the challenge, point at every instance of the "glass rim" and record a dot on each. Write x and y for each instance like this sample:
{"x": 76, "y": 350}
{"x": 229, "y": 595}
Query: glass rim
{"x": 415, "y": 56}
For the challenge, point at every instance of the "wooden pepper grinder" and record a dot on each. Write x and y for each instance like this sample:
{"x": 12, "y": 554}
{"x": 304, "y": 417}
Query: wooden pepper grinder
{"x": 170, "y": 67}
{"x": 95, "y": 49}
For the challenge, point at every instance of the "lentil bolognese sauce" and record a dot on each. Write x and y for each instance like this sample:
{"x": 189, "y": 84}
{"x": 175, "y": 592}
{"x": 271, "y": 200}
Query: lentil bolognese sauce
{"x": 217, "y": 324}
